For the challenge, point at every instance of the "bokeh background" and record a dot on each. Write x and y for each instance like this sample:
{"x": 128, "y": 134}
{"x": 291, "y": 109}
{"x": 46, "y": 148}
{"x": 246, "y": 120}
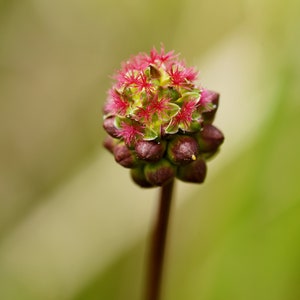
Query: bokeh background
{"x": 72, "y": 224}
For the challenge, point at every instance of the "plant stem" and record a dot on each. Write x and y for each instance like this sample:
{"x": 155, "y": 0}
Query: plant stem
{"x": 157, "y": 251}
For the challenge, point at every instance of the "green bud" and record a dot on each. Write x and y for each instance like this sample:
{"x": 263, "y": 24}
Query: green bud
{"x": 160, "y": 173}
{"x": 138, "y": 176}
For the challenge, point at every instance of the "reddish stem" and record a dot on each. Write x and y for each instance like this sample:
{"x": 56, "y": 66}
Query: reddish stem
{"x": 157, "y": 254}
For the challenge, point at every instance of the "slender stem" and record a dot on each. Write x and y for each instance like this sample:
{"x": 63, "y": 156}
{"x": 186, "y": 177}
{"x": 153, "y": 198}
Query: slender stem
{"x": 156, "y": 259}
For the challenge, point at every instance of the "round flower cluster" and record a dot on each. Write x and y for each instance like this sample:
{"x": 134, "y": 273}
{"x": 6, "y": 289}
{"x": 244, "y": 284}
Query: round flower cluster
{"x": 159, "y": 120}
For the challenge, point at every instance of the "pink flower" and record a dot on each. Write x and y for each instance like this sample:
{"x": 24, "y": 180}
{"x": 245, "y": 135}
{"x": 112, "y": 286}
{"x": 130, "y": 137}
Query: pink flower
{"x": 145, "y": 114}
{"x": 130, "y": 132}
{"x": 127, "y": 78}
{"x": 180, "y": 75}
{"x": 153, "y": 94}
{"x": 116, "y": 104}
{"x": 155, "y": 108}
{"x": 144, "y": 83}
{"x": 185, "y": 114}
{"x": 159, "y": 120}
{"x": 159, "y": 106}
{"x": 160, "y": 58}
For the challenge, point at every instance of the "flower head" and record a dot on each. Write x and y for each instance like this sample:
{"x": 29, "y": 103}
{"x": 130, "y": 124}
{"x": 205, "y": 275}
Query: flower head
{"x": 155, "y": 99}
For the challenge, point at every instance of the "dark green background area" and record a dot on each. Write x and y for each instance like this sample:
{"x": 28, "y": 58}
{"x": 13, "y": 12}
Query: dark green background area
{"x": 234, "y": 237}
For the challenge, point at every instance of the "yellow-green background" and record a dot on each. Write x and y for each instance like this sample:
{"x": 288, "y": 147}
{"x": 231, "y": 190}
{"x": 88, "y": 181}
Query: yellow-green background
{"x": 74, "y": 226}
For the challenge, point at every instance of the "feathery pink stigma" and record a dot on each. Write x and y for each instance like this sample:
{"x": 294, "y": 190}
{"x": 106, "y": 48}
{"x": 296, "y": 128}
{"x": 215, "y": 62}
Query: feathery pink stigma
{"x": 145, "y": 114}
{"x": 177, "y": 75}
{"x": 136, "y": 63}
{"x": 116, "y": 104}
{"x": 143, "y": 83}
{"x": 165, "y": 57}
{"x": 190, "y": 74}
{"x": 159, "y": 106}
{"x": 130, "y": 132}
{"x": 154, "y": 106}
{"x": 207, "y": 96}
{"x": 180, "y": 75}
{"x": 127, "y": 78}
{"x": 184, "y": 116}
{"x": 157, "y": 58}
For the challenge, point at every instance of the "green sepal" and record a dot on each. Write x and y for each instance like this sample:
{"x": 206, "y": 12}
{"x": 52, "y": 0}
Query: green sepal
{"x": 171, "y": 93}
{"x": 131, "y": 111}
{"x": 165, "y": 78}
{"x": 118, "y": 121}
{"x": 188, "y": 96}
{"x": 194, "y": 126}
{"x": 149, "y": 134}
{"x": 196, "y": 115}
{"x": 209, "y": 106}
{"x": 184, "y": 127}
{"x": 173, "y": 110}
{"x": 172, "y": 128}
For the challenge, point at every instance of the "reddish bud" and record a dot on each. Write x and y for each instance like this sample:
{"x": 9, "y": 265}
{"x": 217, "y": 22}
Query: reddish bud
{"x": 138, "y": 176}
{"x": 110, "y": 128}
{"x": 182, "y": 150}
{"x": 210, "y": 138}
{"x": 124, "y": 156}
{"x": 109, "y": 143}
{"x": 160, "y": 173}
{"x": 211, "y": 98}
{"x": 194, "y": 172}
{"x": 150, "y": 150}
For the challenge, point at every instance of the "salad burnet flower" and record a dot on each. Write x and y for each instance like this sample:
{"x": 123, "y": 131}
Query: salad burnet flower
{"x": 159, "y": 120}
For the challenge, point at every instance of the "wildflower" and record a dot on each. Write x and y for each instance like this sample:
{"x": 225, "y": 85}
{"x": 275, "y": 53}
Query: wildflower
{"x": 159, "y": 120}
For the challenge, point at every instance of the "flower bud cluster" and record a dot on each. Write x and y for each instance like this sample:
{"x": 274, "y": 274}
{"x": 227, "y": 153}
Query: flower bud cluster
{"x": 159, "y": 121}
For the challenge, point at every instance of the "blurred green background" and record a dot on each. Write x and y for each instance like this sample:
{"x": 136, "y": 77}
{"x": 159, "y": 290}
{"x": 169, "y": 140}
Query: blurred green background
{"x": 72, "y": 224}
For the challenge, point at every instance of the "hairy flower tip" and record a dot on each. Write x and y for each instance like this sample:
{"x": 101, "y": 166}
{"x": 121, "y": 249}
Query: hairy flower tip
{"x": 159, "y": 119}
